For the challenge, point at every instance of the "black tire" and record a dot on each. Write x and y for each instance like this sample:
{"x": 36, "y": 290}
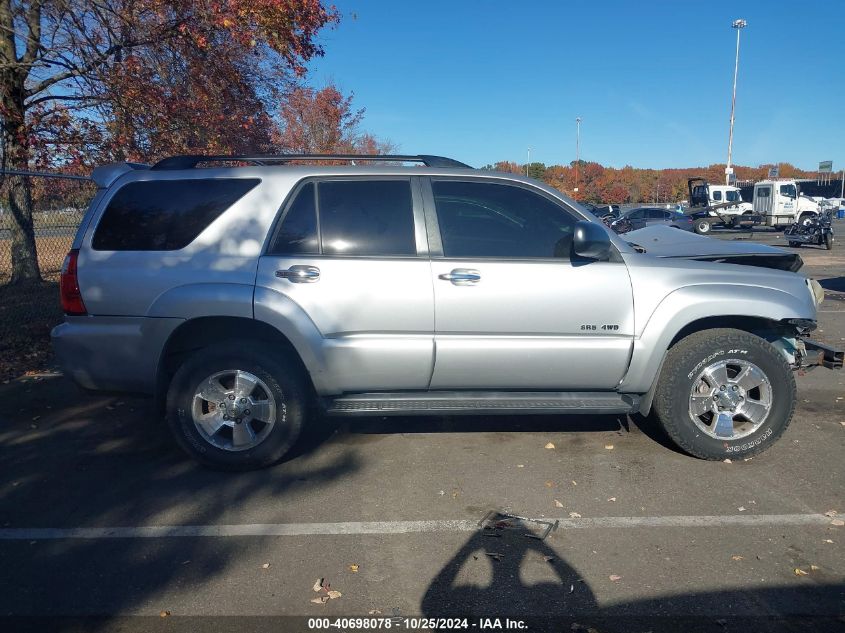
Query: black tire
{"x": 795, "y": 244}
{"x": 702, "y": 227}
{"x": 687, "y": 358}
{"x": 284, "y": 380}
{"x": 828, "y": 241}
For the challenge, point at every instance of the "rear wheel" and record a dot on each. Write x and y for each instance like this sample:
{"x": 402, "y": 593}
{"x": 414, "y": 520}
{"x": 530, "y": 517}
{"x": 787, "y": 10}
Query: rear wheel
{"x": 795, "y": 244}
{"x": 702, "y": 227}
{"x": 724, "y": 393}
{"x": 236, "y": 407}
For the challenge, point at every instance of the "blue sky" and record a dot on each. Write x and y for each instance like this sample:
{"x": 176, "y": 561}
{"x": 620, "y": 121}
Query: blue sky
{"x": 483, "y": 81}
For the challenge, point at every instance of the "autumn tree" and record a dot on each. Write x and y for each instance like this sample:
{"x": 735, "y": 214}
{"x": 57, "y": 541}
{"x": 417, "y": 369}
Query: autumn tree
{"x": 137, "y": 78}
{"x": 324, "y": 121}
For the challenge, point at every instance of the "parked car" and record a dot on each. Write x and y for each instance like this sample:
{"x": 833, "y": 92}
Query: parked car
{"x": 246, "y": 299}
{"x": 642, "y": 217}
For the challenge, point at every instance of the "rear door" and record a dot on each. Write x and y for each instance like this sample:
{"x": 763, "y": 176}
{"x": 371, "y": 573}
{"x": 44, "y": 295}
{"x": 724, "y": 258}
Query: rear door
{"x": 513, "y": 309}
{"x": 351, "y": 254}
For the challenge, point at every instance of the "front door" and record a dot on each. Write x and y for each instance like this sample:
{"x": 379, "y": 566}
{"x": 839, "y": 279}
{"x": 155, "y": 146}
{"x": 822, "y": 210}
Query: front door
{"x": 513, "y": 308}
{"x": 349, "y": 257}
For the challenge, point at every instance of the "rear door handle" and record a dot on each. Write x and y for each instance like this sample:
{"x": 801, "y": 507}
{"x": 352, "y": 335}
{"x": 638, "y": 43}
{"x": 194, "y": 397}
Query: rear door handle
{"x": 300, "y": 274}
{"x": 461, "y": 276}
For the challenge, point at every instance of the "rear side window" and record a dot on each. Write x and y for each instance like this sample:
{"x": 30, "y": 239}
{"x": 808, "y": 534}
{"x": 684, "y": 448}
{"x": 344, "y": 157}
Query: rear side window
{"x": 372, "y": 218}
{"x": 298, "y": 233}
{"x": 165, "y": 215}
{"x": 763, "y": 192}
{"x": 366, "y": 217}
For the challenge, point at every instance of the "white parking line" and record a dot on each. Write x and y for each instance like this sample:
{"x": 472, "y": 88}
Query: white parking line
{"x": 397, "y": 527}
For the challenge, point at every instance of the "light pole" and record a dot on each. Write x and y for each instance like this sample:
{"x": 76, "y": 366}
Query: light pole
{"x": 577, "y": 148}
{"x": 738, "y": 25}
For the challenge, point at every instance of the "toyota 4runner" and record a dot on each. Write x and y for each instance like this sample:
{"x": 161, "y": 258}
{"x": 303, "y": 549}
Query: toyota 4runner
{"x": 242, "y": 290}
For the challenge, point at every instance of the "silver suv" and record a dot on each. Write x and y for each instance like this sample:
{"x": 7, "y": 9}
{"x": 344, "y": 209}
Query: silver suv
{"x": 240, "y": 291}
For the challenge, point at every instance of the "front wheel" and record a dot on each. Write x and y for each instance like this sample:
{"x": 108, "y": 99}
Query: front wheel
{"x": 724, "y": 393}
{"x": 828, "y": 241}
{"x": 236, "y": 407}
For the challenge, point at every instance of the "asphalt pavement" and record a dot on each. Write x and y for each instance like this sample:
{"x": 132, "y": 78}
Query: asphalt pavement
{"x": 105, "y": 525}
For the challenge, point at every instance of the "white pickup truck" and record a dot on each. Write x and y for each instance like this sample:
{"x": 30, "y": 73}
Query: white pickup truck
{"x": 781, "y": 202}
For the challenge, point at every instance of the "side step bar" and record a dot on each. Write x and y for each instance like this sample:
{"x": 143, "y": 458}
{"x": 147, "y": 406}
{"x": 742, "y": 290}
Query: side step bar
{"x": 481, "y": 403}
{"x": 829, "y": 357}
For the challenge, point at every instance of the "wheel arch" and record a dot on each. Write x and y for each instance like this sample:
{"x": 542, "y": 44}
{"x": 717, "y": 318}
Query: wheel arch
{"x": 752, "y": 324}
{"x": 202, "y": 332}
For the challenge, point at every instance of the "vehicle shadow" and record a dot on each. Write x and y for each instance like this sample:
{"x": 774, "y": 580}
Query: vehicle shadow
{"x": 69, "y": 459}
{"x": 502, "y": 574}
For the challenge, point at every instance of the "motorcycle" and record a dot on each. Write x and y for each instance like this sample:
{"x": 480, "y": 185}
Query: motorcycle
{"x": 815, "y": 230}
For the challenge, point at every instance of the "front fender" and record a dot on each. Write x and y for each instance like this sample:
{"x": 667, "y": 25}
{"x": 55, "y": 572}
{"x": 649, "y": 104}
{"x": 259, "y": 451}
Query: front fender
{"x": 692, "y": 303}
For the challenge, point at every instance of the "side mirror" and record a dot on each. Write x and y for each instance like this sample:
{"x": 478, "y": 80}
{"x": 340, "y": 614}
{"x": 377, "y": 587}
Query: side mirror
{"x": 591, "y": 240}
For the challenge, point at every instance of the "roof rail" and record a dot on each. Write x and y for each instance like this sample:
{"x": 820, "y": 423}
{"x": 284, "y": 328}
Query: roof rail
{"x": 189, "y": 161}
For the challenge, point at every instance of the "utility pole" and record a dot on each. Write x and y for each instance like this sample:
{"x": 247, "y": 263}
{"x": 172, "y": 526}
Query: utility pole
{"x": 528, "y": 163}
{"x": 738, "y": 25}
{"x": 577, "y": 148}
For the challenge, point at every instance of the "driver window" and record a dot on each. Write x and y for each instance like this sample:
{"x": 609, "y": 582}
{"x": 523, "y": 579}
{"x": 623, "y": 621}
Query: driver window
{"x": 788, "y": 190}
{"x": 717, "y": 195}
{"x": 485, "y": 219}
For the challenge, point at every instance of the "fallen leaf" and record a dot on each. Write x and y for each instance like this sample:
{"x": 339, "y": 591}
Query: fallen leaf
{"x": 320, "y": 600}
{"x": 558, "y": 504}
{"x": 831, "y": 513}
{"x": 800, "y": 572}
{"x": 814, "y": 568}
{"x": 549, "y": 445}
{"x": 455, "y": 495}
{"x": 737, "y": 557}
{"x": 442, "y": 493}
{"x": 334, "y": 594}
{"x": 574, "y": 515}
{"x": 741, "y": 508}
{"x": 614, "y": 577}
{"x": 374, "y": 612}
{"x": 550, "y": 484}
{"x": 827, "y": 540}
{"x": 727, "y": 461}
{"x": 318, "y": 584}
{"x": 520, "y": 465}
{"x": 571, "y": 588}
{"x": 837, "y": 522}
{"x": 164, "y": 614}
{"x": 612, "y": 499}
{"x": 265, "y": 566}
{"x": 574, "y": 483}
{"x": 609, "y": 447}
{"x": 548, "y": 559}
{"x": 353, "y": 568}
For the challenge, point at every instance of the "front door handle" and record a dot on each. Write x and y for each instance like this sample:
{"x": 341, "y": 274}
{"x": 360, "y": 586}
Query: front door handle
{"x": 300, "y": 274}
{"x": 462, "y": 276}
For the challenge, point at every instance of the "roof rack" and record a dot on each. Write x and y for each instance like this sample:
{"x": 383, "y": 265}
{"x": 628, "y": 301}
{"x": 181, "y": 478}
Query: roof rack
{"x": 190, "y": 161}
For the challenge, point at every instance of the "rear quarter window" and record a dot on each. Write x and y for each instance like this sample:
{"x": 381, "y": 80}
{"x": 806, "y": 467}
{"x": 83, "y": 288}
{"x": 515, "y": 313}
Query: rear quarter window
{"x": 165, "y": 215}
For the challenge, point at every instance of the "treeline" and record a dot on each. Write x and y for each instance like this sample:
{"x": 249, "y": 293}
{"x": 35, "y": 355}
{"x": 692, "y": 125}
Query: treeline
{"x": 597, "y": 183}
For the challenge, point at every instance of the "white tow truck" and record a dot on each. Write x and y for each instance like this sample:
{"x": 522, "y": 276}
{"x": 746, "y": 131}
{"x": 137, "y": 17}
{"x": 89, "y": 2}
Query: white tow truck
{"x": 714, "y": 205}
{"x": 781, "y": 203}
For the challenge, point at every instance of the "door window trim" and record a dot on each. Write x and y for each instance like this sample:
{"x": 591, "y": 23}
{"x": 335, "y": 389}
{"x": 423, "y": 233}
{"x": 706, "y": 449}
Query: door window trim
{"x": 422, "y": 244}
{"x": 435, "y": 242}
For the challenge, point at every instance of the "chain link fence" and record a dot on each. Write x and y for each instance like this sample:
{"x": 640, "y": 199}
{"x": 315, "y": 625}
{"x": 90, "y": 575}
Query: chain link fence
{"x": 29, "y": 311}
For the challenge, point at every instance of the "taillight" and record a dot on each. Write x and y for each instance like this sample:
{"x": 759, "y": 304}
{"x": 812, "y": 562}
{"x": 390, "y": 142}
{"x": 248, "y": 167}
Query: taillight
{"x": 69, "y": 286}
